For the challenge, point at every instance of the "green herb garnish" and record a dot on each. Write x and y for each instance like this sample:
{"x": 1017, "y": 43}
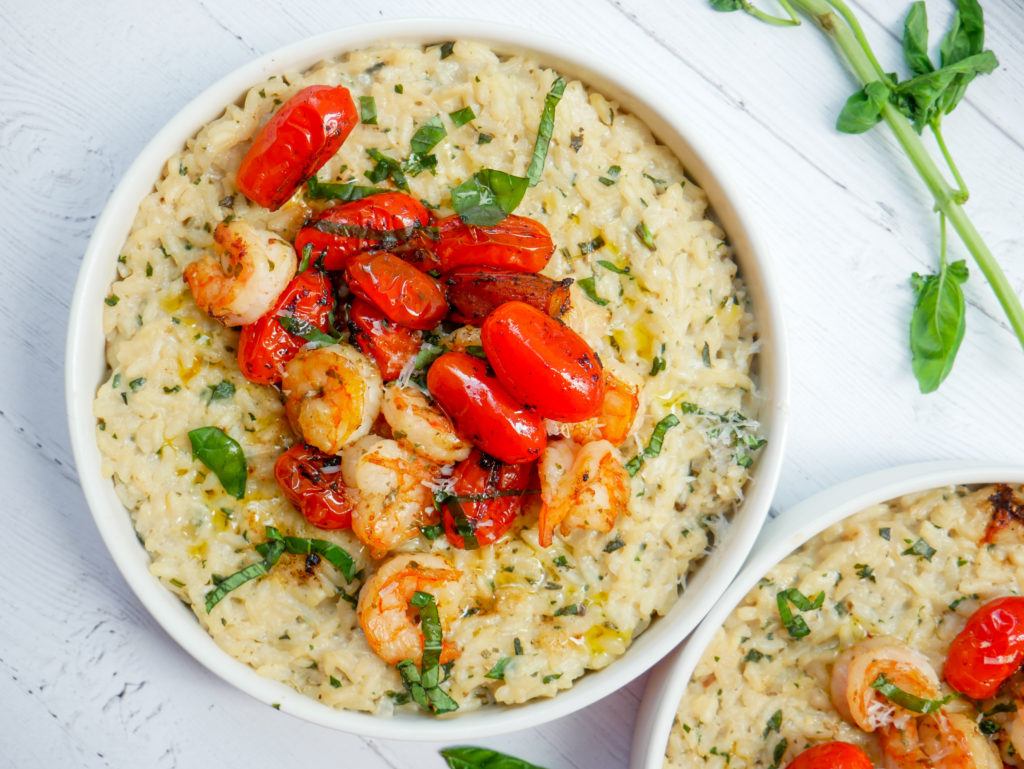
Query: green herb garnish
{"x": 653, "y": 445}
{"x": 367, "y": 110}
{"x": 222, "y": 391}
{"x": 587, "y": 287}
{"x": 498, "y": 671}
{"x": 645, "y": 236}
{"x": 796, "y": 625}
{"x": 921, "y": 549}
{"x": 772, "y": 724}
{"x": 306, "y": 330}
{"x": 611, "y": 266}
{"x": 462, "y": 116}
{"x": 907, "y": 700}
{"x": 344, "y": 191}
{"x": 483, "y": 758}
{"x": 423, "y": 684}
{"x": 223, "y": 455}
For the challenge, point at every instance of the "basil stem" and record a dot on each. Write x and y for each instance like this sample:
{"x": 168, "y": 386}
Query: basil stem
{"x": 223, "y": 455}
{"x": 907, "y": 700}
{"x": 467, "y": 757}
{"x": 906, "y": 106}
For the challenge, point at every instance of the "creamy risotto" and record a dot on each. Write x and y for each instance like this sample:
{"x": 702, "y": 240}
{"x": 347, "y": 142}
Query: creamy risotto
{"x": 907, "y": 573}
{"x": 656, "y": 295}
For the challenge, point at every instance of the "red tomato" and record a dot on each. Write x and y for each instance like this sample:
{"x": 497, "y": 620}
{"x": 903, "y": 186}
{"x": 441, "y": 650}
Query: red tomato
{"x": 832, "y": 755}
{"x": 474, "y": 292}
{"x": 264, "y": 346}
{"x": 312, "y": 482}
{"x": 407, "y": 296}
{"x": 390, "y": 345}
{"x": 988, "y": 650}
{"x": 488, "y": 518}
{"x": 482, "y": 410}
{"x": 516, "y": 243}
{"x": 301, "y": 136}
{"x": 545, "y": 364}
{"x": 383, "y": 212}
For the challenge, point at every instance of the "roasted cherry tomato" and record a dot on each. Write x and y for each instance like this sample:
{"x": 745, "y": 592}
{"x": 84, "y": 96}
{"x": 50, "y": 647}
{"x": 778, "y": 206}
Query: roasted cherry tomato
{"x": 386, "y": 212}
{"x": 832, "y": 755}
{"x": 264, "y": 346}
{"x": 988, "y": 650}
{"x": 473, "y": 292}
{"x": 545, "y": 364}
{"x": 390, "y": 345}
{"x": 515, "y": 243}
{"x": 301, "y": 136}
{"x": 486, "y": 520}
{"x": 404, "y": 294}
{"x": 483, "y": 411}
{"x": 312, "y": 482}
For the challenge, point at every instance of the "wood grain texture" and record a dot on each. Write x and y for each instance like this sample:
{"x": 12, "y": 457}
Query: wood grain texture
{"x": 88, "y": 679}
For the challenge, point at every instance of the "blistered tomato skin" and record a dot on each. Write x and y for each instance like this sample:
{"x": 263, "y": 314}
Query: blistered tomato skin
{"x": 516, "y": 243}
{"x": 404, "y": 294}
{"x": 489, "y": 519}
{"x": 390, "y": 345}
{"x": 301, "y": 136}
{"x": 832, "y": 755}
{"x": 546, "y": 365}
{"x": 387, "y": 211}
{"x": 264, "y": 346}
{"x": 482, "y": 410}
{"x": 312, "y": 481}
{"x": 475, "y": 292}
{"x": 988, "y": 650}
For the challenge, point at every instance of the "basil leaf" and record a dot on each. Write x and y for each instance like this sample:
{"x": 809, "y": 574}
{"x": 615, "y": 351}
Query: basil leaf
{"x": 966, "y": 36}
{"x": 937, "y": 324}
{"x": 728, "y": 5}
{"x": 306, "y": 330}
{"x": 915, "y": 39}
{"x": 463, "y": 526}
{"x": 864, "y": 109}
{"x": 468, "y": 757}
{"x": 388, "y": 238}
{"x": 222, "y": 454}
{"x": 498, "y": 671}
{"x": 544, "y": 131}
{"x": 653, "y": 445}
{"x": 336, "y": 555}
{"x": 367, "y": 110}
{"x": 796, "y": 625}
{"x": 386, "y": 167}
{"x": 221, "y": 391}
{"x": 587, "y": 287}
{"x": 462, "y": 116}
{"x": 907, "y": 700}
{"x": 270, "y": 557}
{"x": 612, "y": 267}
{"x": 921, "y": 549}
{"x": 645, "y": 236}
{"x": 931, "y": 93}
{"x": 488, "y": 197}
{"x": 344, "y": 191}
{"x": 430, "y": 624}
{"x": 427, "y": 136}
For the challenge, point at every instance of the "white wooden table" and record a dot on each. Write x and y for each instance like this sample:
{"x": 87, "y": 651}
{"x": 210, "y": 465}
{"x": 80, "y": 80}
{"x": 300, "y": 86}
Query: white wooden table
{"x": 87, "y": 679}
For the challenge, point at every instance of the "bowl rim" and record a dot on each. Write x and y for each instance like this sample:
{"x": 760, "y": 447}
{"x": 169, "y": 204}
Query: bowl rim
{"x": 85, "y": 366}
{"x": 780, "y": 537}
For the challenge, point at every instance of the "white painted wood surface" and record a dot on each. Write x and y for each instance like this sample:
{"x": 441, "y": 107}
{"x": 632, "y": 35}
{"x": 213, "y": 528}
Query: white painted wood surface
{"x": 87, "y": 679}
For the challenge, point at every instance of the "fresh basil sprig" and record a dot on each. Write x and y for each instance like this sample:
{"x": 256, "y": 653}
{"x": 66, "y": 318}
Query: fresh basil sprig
{"x": 908, "y": 107}
{"x": 907, "y": 700}
{"x": 223, "y": 455}
{"x": 490, "y": 195}
{"x": 468, "y": 757}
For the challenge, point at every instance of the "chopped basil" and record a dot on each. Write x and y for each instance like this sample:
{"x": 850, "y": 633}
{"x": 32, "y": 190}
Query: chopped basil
{"x": 611, "y": 266}
{"x": 573, "y": 608}
{"x": 591, "y": 245}
{"x": 657, "y": 365}
{"x": 885, "y": 533}
{"x": 753, "y": 655}
{"x": 462, "y": 116}
{"x": 653, "y": 445}
{"x": 550, "y": 677}
{"x": 111, "y": 300}
{"x": 614, "y": 544}
{"x": 423, "y": 685}
{"x": 135, "y": 384}
{"x": 921, "y": 549}
{"x": 250, "y": 572}
{"x": 334, "y": 682}
{"x": 796, "y": 625}
{"x": 907, "y": 700}
{"x": 576, "y": 141}
{"x": 306, "y": 330}
{"x": 988, "y": 727}
{"x": 171, "y": 390}
{"x": 463, "y": 526}
{"x": 517, "y": 647}
{"x": 384, "y": 168}
{"x": 587, "y": 287}
{"x": 779, "y": 752}
{"x": 484, "y": 139}
{"x": 612, "y": 177}
{"x": 705, "y": 355}
{"x": 432, "y": 532}
{"x": 772, "y": 724}
{"x": 337, "y": 556}
{"x": 544, "y": 131}
{"x": 344, "y": 191}
{"x": 956, "y": 602}
{"x": 447, "y": 48}
{"x": 222, "y": 391}
{"x": 645, "y": 236}
{"x": 223, "y": 455}
{"x": 367, "y": 110}
{"x": 427, "y": 136}
{"x": 498, "y": 671}
{"x": 483, "y": 758}
{"x": 864, "y": 571}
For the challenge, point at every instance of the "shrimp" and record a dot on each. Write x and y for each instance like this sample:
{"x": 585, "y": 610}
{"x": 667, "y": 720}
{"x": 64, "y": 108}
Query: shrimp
{"x": 941, "y": 740}
{"x": 332, "y": 396}
{"x": 395, "y": 496}
{"x": 250, "y": 270}
{"x": 420, "y": 425}
{"x": 581, "y": 488}
{"x": 860, "y": 665}
{"x": 615, "y": 418}
{"x": 390, "y": 624}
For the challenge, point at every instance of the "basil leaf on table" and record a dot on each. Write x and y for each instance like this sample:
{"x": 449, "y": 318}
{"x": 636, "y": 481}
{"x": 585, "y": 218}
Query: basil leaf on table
{"x": 937, "y": 324}
{"x": 863, "y": 110}
{"x": 222, "y": 454}
{"x": 468, "y": 757}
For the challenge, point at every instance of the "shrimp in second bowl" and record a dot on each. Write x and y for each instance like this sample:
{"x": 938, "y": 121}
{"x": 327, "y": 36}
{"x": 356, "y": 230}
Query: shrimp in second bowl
{"x": 395, "y": 496}
{"x": 390, "y": 623}
{"x": 581, "y": 487}
{"x": 242, "y": 281}
{"x": 422, "y": 426}
{"x": 332, "y": 396}
{"x": 938, "y": 740}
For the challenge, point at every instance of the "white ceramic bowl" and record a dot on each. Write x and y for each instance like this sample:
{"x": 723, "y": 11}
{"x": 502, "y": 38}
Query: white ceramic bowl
{"x": 86, "y": 368}
{"x": 780, "y": 537}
